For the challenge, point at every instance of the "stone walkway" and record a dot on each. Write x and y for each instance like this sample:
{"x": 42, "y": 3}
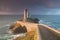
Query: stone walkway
{"x": 45, "y": 34}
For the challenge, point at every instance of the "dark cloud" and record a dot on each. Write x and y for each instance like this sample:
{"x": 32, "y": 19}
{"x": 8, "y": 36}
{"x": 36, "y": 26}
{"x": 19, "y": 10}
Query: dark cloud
{"x": 34, "y": 6}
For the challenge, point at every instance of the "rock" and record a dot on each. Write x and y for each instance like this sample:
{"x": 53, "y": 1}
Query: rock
{"x": 18, "y": 28}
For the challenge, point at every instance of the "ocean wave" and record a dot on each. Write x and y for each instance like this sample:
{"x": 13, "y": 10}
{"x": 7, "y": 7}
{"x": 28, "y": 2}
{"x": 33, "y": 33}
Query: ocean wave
{"x": 18, "y": 35}
{"x": 6, "y": 37}
{"x": 41, "y": 21}
{"x": 7, "y": 25}
{"x": 51, "y": 24}
{"x": 10, "y": 37}
{"x": 45, "y": 22}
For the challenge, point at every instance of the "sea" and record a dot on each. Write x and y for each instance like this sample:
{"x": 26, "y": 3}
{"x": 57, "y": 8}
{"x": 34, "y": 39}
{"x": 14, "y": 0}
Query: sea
{"x": 6, "y": 20}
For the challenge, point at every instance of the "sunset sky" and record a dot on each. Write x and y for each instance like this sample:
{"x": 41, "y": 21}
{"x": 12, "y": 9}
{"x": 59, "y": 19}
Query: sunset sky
{"x": 35, "y": 7}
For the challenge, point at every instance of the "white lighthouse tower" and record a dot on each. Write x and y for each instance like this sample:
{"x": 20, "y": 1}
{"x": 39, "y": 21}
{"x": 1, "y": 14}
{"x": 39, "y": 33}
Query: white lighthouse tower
{"x": 25, "y": 15}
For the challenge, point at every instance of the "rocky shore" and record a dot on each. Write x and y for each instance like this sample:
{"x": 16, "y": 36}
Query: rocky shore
{"x": 16, "y": 28}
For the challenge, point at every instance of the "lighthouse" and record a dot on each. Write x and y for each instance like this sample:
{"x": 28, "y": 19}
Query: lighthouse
{"x": 25, "y": 15}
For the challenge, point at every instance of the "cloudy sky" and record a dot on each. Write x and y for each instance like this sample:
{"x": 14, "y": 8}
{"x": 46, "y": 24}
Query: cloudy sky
{"x": 35, "y": 7}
